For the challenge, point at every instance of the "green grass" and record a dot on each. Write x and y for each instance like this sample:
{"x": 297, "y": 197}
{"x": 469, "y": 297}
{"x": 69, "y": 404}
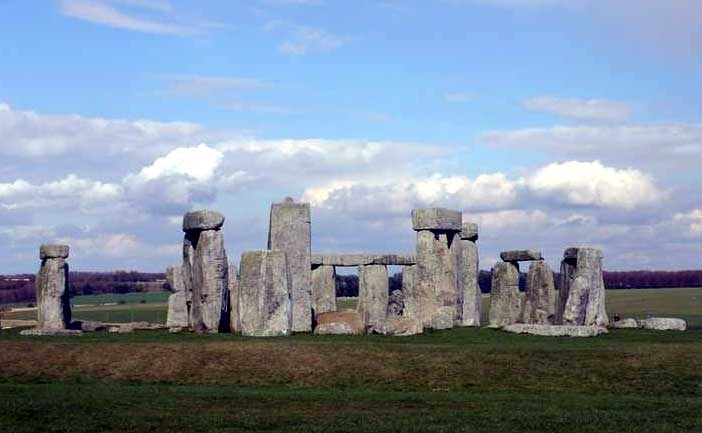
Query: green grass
{"x": 128, "y": 298}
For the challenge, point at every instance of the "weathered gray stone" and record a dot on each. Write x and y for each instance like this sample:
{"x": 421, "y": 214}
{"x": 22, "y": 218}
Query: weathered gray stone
{"x": 565, "y": 280}
{"x": 540, "y": 298}
{"x": 129, "y": 327}
{"x": 469, "y": 295}
{"x": 398, "y": 326}
{"x": 323, "y": 289}
{"x": 290, "y": 231}
{"x": 265, "y": 294}
{"x": 88, "y": 325}
{"x": 443, "y": 318}
{"x": 436, "y": 276}
{"x": 411, "y": 299}
{"x": 396, "y": 304}
{"x": 664, "y": 324}
{"x": 53, "y": 252}
{"x": 625, "y": 324}
{"x": 571, "y": 253}
{"x": 586, "y": 295}
{"x": 39, "y": 332}
{"x": 53, "y": 297}
{"x": 234, "y": 309}
{"x": 363, "y": 259}
{"x": 346, "y": 322}
{"x": 373, "y": 286}
{"x": 520, "y": 255}
{"x": 439, "y": 219}
{"x": 469, "y": 232}
{"x": 203, "y": 220}
{"x": 205, "y": 277}
{"x": 505, "y": 301}
{"x": 556, "y": 330}
{"x": 178, "y": 315}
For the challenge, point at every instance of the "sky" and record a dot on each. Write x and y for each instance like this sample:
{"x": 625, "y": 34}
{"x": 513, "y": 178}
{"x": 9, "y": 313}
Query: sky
{"x": 550, "y": 123}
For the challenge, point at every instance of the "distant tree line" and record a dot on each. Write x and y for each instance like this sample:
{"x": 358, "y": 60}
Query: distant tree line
{"x": 20, "y": 288}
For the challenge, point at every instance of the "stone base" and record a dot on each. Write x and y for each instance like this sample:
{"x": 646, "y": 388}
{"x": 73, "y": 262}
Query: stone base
{"x": 399, "y": 326}
{"x": 339, "y": 323}
{"x": 37, "y": 332}
{"x": 556, "y": 330}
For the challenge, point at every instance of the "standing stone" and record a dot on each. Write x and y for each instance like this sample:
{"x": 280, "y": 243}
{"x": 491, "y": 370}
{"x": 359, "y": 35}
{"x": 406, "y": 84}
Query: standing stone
{"x": 265, "y": 297}
{"x": 373, "y": 286}
{"x": 586, "y": 295}
{"x": 323, "y": 289}
{"x": 505, "y": 302}
{"x": 178, "y": 316}
{"x": 234, "y": 317}
{"x": 469, "y": 295}
{"x": 396, "y": 304}
{"x": 412, "y": 307}
{"x": 290, "y": 231}
{"x": 438, "y": 253}
{"x": 540, "y": 297}
{"x": 53, "y": 298}
{"x": 565, "y": 280}
{"x": 205, "y": 271}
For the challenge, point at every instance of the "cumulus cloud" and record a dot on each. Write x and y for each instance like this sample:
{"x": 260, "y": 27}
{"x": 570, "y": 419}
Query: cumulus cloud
{"x": 690, "y": 223}
{"x": 580, "y": 109}
{"x": 591, "y": 183}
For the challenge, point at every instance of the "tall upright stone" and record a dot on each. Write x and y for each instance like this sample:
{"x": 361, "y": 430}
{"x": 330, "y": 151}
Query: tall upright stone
{"x": 323, "y": 289}
{"x": 290, "y": 231}
{"x": 585, "y": 303}
{"x": 469, "y": 295}
{"x": 178, "y": 315}
{"x": 265, "y": 294}
{"x": 373, "y": 286}
{"x": 436, "y": 274}
{"x": 505, "y": 301}
{"x": 540, "y": 298}
{"x": 234, "y": 308}
{"x": 53, "y": 297}
{"x": 206, "y": 271}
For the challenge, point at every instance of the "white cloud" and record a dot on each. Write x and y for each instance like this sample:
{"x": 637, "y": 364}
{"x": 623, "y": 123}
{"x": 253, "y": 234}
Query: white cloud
{"x": 690, "y": 222}
{"x": 100, "y": 12}
{"x": 591, "y": 183}
{"x": 199, "y": 163}
{"x": 300, "y": 40}
{"x": 580, "y": 109}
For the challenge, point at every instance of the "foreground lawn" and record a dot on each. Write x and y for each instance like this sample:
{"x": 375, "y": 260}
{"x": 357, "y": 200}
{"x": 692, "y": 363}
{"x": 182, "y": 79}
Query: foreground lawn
{"x": 457, "y": 380}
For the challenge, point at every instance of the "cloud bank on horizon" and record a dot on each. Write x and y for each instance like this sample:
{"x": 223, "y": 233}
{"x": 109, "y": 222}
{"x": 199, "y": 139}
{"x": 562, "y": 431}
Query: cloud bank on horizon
{"x": 165, "y": 110}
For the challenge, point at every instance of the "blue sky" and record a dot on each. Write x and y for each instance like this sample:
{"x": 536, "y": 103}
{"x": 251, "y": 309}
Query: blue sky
{"x": 549, "y": 122}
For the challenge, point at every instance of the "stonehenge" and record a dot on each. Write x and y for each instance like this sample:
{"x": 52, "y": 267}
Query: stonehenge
{"x": 205, "y": 271}
{"x": 286, "y": 289}
{"x": 53, "y": 298}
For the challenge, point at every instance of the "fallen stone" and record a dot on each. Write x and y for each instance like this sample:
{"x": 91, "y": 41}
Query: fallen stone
{"x": 625, "y": 324}
{"x": 469, "y": 294}
{"x": 203, "y": 220}
{"x": 38, "y": 332}
{"x": 265, "y": 298}
{"x": 520, "y": 255}
{"x": 399, "y": 326}
{"x": 372, "y": 293}
{"x": 505, "y": 301}
{"x": 347, "y": 260}
{"x": 129, "y": 327}
{"x": 540, "y": 297}
{"x": 340, "y": 323}
{"x": 53, "y": 297}
{"x": 323, "y": 289}
{"x": 436, "y": 219}
{"x": 556, "y": 330}
{"x": 53, "y": 252}
{"x": 290, "y": 231}
{"x": 88, "y": 325}
{"x": 664, "y": 324}
{"x": 469, "y": 232}
{"x": 396, "y": 304}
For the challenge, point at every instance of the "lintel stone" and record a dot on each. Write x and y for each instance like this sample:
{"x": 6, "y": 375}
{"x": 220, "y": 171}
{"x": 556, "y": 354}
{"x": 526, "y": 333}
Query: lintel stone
{"x": 363, "y": 259}
{"x": 521, "y": 255}
{"x": 53, "y": 252}
{"x": 203, "y": 220}
{"x": 436, "y": 219}
{"x": 469, "y": 231}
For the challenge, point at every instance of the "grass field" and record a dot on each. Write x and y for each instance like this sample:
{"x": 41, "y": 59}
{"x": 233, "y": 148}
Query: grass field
{"x": 472, "y": 380}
